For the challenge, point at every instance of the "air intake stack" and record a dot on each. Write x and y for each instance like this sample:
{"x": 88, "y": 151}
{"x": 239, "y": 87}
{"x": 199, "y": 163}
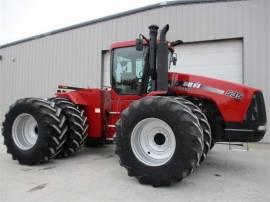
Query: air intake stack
{"x": 153, "y": 31}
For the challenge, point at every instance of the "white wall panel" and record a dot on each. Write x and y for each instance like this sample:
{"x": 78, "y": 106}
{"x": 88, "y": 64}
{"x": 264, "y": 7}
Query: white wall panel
{"x": 106, "y": 69}
{"x": 74, "y": 57}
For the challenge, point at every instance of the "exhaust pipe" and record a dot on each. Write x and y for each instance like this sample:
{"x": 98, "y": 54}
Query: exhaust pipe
{"x": 153, "y": 31}
{"x": 162, "y": 61}
{"x": 163, "y": 33}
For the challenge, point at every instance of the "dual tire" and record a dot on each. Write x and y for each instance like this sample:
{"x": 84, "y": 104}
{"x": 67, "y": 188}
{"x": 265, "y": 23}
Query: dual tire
{"x": 76, "y": 123}
{"x": 159, "y": 140}
{"x": 36, "y": 130}
{"x": 204, "y": 124}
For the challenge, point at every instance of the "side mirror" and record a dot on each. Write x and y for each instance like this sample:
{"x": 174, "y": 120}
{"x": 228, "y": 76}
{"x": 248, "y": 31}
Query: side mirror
{"x": 177, "y": 42}
{"x": 174, "y": 59}
{"x": 139, "y": 44}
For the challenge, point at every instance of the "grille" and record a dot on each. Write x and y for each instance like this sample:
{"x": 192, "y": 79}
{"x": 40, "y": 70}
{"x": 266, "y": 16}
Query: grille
{"x": 256, "y": 112}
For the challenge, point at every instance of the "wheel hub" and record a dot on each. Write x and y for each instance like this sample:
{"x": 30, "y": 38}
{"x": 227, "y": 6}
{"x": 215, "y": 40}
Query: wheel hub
{"x": 153, "y": 142}
{"x": 159, "y": 139}
{"x": 25, "y": 131}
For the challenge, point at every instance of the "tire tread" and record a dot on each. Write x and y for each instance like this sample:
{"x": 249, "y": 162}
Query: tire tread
{"x": 51, "y": 121}
{"x": 77, "y": 126}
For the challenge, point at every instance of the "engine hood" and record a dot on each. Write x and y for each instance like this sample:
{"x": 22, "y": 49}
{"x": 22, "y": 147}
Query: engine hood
{"x": 232, "y": 99}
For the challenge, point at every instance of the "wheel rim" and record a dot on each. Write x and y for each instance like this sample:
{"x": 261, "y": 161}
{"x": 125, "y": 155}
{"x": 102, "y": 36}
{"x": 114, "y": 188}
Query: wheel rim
{"x": 153, "y": 142}
{"x": 25, "y": 131}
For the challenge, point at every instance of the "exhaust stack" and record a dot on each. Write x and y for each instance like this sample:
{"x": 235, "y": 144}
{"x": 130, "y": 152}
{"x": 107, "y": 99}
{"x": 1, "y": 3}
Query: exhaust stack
{"x": 162, "y": 61}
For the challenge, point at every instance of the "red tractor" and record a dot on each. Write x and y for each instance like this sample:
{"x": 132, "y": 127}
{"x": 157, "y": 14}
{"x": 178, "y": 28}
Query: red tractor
{"x": 163, "y": 123}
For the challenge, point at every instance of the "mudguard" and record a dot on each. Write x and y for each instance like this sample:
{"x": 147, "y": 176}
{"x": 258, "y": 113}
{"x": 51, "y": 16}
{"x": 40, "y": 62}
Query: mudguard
{"x": 94, "y": 103}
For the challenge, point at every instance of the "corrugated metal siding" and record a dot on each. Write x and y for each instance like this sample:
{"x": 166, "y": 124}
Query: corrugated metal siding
{"x": 74, "y": 57}
{"x": 267, "y": 71}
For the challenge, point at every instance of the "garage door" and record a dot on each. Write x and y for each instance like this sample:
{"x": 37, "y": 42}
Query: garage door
{"x": 222, "y": 59}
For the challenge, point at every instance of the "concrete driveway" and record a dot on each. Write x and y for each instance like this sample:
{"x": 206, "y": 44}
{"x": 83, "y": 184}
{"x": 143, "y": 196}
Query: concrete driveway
{"x": 95, "y": 175}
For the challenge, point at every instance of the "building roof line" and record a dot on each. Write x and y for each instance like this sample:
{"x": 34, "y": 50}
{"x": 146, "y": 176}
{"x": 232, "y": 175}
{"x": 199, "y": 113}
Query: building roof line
{"x": 114, "y": 16}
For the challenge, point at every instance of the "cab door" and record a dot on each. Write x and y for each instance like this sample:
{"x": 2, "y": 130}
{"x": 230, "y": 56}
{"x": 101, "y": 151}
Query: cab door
{"x": 126, "y": 81}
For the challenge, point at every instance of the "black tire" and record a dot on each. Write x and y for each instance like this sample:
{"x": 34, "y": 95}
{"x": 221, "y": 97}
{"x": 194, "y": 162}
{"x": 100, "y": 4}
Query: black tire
{"x": 187, "y": 133}
{"x": 203, "y": 123}
{"x": 216, "y": 122}
{"x": 95, "y": 143}
{"x": 51, "y": 130}
{"x": 212, "y": 145}
{"x": 77, "y": 126}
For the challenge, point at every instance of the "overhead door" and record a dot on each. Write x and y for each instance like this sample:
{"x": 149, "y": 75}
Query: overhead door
{"x": 222, "y": 59}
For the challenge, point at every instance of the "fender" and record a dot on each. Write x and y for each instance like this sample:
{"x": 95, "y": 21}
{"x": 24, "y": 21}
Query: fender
{"x": 75, "y": 96}
{"x": 157, "y": 93}
{"x": 232, "y": 100}
{"x": 92, "y": 101}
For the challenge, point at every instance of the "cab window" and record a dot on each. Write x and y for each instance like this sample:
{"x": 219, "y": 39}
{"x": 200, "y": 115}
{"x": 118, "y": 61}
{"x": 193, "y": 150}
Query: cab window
{"x": 127, "y": 70}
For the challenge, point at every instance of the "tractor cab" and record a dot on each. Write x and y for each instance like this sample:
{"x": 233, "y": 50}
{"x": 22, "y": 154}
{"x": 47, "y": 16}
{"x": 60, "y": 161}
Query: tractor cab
{"x": 128, "y": 69}
{"x": 141, "y": 66}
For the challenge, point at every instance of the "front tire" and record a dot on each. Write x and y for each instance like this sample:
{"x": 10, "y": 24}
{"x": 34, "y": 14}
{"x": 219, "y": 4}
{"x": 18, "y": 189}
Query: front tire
{"x": 158, "y": 141}
{"x": 34, "y": 131}
{"x": 203, "y": 123}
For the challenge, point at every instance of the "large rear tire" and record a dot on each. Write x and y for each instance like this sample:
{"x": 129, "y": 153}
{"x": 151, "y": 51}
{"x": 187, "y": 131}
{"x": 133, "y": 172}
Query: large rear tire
{"x": 34, "y": 131}
{"x": 203, "y": 123}
{"x": 77, "y": 126}
{"x": 159, "y": 141}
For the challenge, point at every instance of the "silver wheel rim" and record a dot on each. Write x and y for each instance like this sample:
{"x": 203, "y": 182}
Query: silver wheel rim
{"x": 153, "y": 142}
{"x": 25, "y": 131}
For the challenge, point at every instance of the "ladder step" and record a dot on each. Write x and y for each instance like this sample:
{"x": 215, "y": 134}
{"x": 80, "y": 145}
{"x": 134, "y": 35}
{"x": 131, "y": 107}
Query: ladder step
{"x": 236, "y": 146}
{"x": 241, "y": 146}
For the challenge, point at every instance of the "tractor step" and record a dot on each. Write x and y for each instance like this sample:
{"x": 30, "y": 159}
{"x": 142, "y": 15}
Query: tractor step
{"x": 236, "y": 146}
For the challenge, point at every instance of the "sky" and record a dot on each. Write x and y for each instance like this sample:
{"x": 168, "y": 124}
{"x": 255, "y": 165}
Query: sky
{"x": 24, "y": 18}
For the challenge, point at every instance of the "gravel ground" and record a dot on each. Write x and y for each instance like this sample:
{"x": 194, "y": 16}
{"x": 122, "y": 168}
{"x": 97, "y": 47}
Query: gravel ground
{"x": 95, "y": 175}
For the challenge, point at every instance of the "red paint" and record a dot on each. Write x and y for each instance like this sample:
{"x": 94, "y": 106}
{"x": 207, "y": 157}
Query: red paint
{"x": 124, "y": 44}
{"x": 231, "y": 109}
{"x": 95, "y": 104}
{"x": 157, "y": 93}
{"x": 111, "y": 104}
{"x": 132, "y": 43}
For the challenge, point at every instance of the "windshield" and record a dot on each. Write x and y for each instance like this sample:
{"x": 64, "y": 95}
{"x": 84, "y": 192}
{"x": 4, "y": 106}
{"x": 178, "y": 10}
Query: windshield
{"x": 127, "y": 70}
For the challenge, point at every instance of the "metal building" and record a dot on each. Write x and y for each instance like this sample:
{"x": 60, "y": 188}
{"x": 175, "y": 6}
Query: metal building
{"x": 227, "y": 39}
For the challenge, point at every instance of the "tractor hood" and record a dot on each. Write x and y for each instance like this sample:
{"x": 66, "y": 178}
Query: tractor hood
{"x": 233, "y": 100}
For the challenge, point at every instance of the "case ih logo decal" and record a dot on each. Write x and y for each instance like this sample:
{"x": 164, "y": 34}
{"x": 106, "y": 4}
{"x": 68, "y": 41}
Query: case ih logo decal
{"x": 188, "y": 85}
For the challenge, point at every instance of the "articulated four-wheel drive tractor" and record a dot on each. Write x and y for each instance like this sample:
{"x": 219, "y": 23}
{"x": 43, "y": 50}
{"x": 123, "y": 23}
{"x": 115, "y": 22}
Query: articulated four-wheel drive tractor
{"x": 164, "y": 123}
